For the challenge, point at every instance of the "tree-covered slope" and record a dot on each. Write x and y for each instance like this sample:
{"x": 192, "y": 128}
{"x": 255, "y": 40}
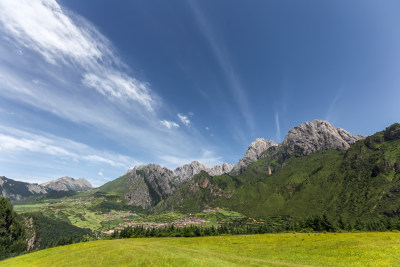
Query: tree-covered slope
{"x": 12, "y": 231}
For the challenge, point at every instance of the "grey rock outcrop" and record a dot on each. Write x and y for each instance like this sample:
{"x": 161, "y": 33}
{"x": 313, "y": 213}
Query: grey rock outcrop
{"x": 310, "y": 137}
{"x": 146, "y": 185}
{"x": 149, "y": 184}
{"x": 304, "y": 139}
{"x": 220, "y": 169}
{"x": 187, "y": 171}
{"x": 16, "y": 190}
{"x": 253, "y": 153}
{"x": 66, "y": 183}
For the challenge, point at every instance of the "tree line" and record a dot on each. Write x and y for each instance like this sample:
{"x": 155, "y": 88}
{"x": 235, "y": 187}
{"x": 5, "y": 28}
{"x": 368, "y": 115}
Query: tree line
{"x": 310, "y": 224}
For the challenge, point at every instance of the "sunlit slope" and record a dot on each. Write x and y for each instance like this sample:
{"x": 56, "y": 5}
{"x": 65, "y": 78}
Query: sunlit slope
{"x": 345, "y": 249}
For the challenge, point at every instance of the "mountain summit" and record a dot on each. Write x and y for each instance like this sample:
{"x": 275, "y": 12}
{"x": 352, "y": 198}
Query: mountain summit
{"x": 189, "y": 170}
{"x": 305, "y": 139}
{"x": 67, "y": 183}
{"x": 309, "y": 137}
{"x": 253, "y": 153}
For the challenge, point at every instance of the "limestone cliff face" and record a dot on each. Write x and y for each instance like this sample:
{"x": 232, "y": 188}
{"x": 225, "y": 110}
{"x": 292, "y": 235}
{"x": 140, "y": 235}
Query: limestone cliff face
{"x": 67, "y": 183}
{"x": 304, "y": 139}
{"x": 149, "y": 184}
{"x": 310, "y": 137}
{"x": 187, "y": 171}
{"x": 253, "y": 153}
{"x": 220, "y": 169}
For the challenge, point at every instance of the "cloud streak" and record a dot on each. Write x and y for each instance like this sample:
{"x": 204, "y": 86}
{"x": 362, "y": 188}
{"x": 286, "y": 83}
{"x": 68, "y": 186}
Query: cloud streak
{"x": 235, "y": 85}
{"x": 53, "y": 32}
{"x": 13, "y": 141}
{"x": 278, "y": 127}
{"x": 58, "y": 66}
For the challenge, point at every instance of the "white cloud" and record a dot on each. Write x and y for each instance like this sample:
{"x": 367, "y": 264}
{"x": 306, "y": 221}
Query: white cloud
{"x": 184, "y": 119}
{"x": 169, "y": 124}
{"x": 120, "y": 86}
{"x": 42, "y": 25}
{"x": 100, "y": 173}
{"x": 16, "y": 141}
{"x": 207, "y": 128}
{"x": 55, "y": 61}
{"x": 62, "y": 37}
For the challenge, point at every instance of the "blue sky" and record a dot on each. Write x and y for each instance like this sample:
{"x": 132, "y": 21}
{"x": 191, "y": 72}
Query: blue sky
{"x": 92, "y": 88}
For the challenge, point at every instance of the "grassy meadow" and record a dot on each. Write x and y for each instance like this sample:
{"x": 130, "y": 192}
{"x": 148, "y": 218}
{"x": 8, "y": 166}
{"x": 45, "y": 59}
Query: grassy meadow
{"x": 287, "y": 249}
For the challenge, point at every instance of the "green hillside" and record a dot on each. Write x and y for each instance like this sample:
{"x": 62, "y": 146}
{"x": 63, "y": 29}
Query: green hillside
{"x": 116, "y": 186}
{"x": 347, "y": 249}
{"x": 362, "y": 182}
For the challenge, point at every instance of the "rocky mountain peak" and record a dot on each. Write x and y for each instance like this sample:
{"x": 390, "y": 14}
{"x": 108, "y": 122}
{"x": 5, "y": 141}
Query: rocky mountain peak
{"x": 253, "y": 153}
{"x": 67, "y": 183}
{"x": 187, "y": 171}
{"x": 148, "y": 184}
{"x": 309, "y": 137}
{"x": 221, "y": 169}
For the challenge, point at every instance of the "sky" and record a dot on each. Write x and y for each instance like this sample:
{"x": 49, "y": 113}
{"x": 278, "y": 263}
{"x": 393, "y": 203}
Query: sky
{"x": 92, "y": 88}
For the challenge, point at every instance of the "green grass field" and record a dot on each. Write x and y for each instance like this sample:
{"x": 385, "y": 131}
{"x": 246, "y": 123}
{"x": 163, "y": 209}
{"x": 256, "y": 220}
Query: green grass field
{"x": 341, "y": 249}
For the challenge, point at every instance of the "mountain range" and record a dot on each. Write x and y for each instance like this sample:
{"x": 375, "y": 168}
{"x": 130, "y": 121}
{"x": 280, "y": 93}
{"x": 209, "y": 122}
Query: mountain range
{"x": 316, "y": 169}
{"x": 150, "y": 185}
{"x": 16, "y": 190}
{"x": 333, "y": 172}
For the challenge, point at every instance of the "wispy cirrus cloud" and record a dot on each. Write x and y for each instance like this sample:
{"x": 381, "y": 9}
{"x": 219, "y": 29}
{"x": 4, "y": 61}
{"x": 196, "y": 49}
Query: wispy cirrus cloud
{"x": 13, "y": 141}
{"x": 235, "y": 85}
{"x": 184, "y": 119}
{"x": 55, "y": 61}
{"x": 62, "y": 37}
{"x": 278, "y": 127}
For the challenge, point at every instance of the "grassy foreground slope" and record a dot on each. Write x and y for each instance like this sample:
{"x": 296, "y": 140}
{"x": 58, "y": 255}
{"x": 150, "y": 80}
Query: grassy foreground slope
{"x": 344, "y": 249}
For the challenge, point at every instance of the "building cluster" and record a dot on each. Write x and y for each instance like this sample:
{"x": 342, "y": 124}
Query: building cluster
{"x": 111, "y": 217}
{"x": 186, "y": 221}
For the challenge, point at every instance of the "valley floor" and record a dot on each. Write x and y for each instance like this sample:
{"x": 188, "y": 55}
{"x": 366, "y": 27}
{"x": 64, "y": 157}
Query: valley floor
{"x": 287, "y": 249}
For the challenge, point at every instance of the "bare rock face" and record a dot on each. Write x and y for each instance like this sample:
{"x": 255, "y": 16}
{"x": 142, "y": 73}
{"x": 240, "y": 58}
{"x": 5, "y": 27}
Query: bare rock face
{"x": 36, "y": 189}
{"x": 253, "y": 153}
{"x": 149, "y": 184}
{"x": 67, "y": 183}
{"x": 304, "y": 139}
{"x": 16, "y": 190}
{"x": 187, "y": 171}
{"x": 220, "y": 169}
{"x": 310, "y": 137}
